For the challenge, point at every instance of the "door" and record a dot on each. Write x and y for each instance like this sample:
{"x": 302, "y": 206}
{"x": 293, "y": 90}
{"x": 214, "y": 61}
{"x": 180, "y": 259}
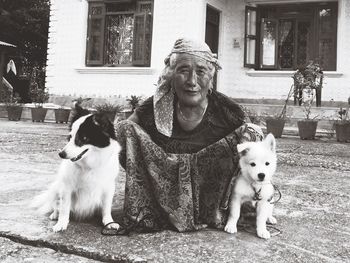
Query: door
{"x": 212, "y": 32}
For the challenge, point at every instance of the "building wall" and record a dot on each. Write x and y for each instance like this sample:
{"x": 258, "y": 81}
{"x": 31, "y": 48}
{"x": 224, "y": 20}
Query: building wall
{"x": 67, "y": 74}
{"x": 241, "y": 82}
{"x": 66, "y": 71}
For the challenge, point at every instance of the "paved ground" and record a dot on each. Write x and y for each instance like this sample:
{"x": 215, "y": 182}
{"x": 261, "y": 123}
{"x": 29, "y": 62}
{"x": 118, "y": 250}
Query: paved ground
{"x": 313, "y": 214}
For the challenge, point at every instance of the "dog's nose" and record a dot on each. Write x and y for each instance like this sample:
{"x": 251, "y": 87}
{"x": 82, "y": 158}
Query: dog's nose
{"x": 62, "y": 154}
{"x": 261, "y": 176}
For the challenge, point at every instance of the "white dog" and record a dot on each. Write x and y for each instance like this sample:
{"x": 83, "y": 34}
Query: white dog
{"x": 86, "y": 179}
{"x": 258, "y": 162}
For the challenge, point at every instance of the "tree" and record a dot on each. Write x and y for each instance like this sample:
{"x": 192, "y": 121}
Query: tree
{"x": 25, "y": 23}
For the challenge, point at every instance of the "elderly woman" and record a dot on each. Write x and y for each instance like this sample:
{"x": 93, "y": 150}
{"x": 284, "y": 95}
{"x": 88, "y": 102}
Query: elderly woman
{"x": 179, "y": 146}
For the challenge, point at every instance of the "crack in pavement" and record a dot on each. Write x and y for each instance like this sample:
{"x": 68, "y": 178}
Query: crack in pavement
{"x": 64, "y": 248}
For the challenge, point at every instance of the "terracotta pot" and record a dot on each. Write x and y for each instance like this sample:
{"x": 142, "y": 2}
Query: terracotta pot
{"x": 14, "y": 112}
{"x": 110, "y": 115}
{"x": 307, "y": 129}
{"x": 342, "y": 131}
{"x": 275, "y": 126}
{"x": 38, "y": 114}
{"x": 62, "y": 115}
{"x": 128, "y": 114}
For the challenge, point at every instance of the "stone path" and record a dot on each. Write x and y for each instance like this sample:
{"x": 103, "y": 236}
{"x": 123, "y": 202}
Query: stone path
{"x": 313, "y": 214}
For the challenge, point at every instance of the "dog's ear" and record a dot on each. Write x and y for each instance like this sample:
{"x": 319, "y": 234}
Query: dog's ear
{"x": 77, "y": 112}
{"x": 105, "y": 124}
{"x": 243, "y": 148}
{"x": 271, "y": 142}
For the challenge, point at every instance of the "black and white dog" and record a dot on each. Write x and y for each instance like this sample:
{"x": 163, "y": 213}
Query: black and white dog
{"x": 85, "y": 184}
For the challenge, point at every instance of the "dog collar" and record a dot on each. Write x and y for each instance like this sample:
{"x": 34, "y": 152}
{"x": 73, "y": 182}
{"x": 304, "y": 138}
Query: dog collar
{"x": 257, "y": 193}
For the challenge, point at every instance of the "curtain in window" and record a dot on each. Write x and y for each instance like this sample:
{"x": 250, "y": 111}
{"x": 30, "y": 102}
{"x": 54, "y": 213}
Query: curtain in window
{"x": 286, "y": 43}
{"x": 119, "y": 39}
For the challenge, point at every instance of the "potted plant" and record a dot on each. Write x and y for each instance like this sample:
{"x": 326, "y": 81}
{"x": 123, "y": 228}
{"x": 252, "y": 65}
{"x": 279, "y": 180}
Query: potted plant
{"x": 275, "y": 124}
{"x": 109, "y": 109}
{"x": 133, "y": 102}
{"x": 307, "y": 127}
{"x": 309, "y": 77}
{"x": 253, "y": 115}
{"x": 342, "y": 126}
{"x": 38, "y": 94}
{"x": 14, "y": 107}
{"x": 62, "y": 115}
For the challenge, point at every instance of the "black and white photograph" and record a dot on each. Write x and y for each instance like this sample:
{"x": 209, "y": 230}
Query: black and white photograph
{"x": 175, "y": 131}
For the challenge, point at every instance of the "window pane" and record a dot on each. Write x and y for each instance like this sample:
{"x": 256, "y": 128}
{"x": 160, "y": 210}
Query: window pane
{"x": 304, "y": 32}
{"x": 250, "y": 55}
{"x": 95, "y": 53}
{"x": 251, "y": 22}
{"x": 119, "y": 39}
{"x": 327, "y": 36}
{"x": 269, "y": 43}
{"x": 139, "y": 37}
{"x": 304, "y": 43}
{"x": 148, "y": 39}
{"x": 325, "y": 20}
{"x": 286, "y": 44}
{"x": 114, "y": 38}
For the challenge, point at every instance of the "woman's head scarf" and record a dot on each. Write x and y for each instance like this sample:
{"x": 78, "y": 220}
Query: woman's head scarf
{"x": 164, "y": 96}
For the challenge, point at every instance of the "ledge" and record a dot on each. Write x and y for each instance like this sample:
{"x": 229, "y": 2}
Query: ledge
{"x": 287, "y": 73}
{"x": 116, "y": 70}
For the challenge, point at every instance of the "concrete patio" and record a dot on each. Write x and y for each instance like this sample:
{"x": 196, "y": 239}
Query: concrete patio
{"x": 313, "y": 214}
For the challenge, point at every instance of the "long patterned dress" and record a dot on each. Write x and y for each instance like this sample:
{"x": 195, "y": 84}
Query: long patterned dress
{"x": 182, "y": 182}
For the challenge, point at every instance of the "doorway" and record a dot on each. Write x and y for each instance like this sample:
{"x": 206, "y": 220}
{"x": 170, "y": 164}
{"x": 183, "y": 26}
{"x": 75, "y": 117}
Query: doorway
{"x": 212, "y": 27}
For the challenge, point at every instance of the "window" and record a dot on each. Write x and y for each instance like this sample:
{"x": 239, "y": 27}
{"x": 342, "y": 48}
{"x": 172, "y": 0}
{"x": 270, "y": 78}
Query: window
{"x": 290, "y": 36}
{"x": 119, "y": 33}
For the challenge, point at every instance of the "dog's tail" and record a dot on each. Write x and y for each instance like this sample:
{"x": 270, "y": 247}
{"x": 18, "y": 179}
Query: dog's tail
{"x": 45, "y": 202}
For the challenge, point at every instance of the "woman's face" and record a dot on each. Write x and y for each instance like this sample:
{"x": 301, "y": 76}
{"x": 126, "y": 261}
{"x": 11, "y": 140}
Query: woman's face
{"x": 191, "y": 81}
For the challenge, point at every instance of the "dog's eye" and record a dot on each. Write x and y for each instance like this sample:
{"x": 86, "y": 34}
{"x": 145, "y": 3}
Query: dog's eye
{"x": 69, "y": 137}
{"x": 252, "y": 164}
{"x": 267, "y": 163}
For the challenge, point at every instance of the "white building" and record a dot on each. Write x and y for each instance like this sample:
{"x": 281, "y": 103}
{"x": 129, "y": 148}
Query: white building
{"x": 104, "y": 48}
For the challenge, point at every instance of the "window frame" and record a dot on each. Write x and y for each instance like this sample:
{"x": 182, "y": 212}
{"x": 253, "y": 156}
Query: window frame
{"x": 261, "y": 55}
{"x": 248, "y": 37}
{"x": 101, "y": 62}
{"x": 90, "y": 62}
{"x": 313, "y": 52}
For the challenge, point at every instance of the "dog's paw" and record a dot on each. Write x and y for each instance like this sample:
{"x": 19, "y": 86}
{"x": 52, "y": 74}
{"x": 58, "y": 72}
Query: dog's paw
{"x": 263, "y": 233}
{"x": 230, "y": 228}
{"x": 272, "y": 220}
{"x": 112, "y": 225}
{"x": 60, "y": 226}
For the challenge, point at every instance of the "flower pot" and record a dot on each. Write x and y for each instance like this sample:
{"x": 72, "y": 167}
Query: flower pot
{"x": 110, "y": 115}
{"x": 38, "y": 114}
{"x": 342, "y": 131}
{"x": 62, "y": 115}
{"x": 128, "y": 114}
{"x": 14, "y": 112}
{"x": 275, "y": 126}
{"x": 307, "y": 129}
